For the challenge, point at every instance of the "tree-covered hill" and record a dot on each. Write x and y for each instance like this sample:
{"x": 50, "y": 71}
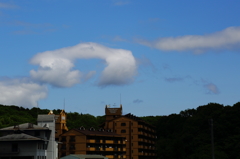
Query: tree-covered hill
{"x": 186, "y": 135}
{"x": 13, "y": 115}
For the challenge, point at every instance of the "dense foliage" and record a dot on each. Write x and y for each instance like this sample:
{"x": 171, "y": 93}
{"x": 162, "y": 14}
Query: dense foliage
{"x": 186, "y": 135}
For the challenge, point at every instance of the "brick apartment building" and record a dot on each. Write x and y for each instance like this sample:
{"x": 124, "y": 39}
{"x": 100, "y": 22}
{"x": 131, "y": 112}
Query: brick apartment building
{"x": 140, "y": 136}
{"x": 121, "y": 136}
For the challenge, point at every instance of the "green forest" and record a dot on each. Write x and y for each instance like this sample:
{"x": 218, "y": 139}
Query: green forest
{"x": 186, "y": 135}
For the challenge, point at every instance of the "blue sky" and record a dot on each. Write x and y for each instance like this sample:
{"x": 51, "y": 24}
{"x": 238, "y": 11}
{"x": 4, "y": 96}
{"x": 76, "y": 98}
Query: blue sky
{"x": 154, "y": 57}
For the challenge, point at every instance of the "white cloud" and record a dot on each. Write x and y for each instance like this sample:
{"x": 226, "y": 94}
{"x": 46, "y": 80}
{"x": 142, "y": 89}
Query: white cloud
{"x": 228, "y": 38}
{"x": 21, "y": 92}
{"x": 56, "y": 67}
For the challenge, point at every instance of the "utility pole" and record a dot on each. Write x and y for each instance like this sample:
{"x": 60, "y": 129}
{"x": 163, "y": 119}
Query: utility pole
{"x": 212, "y": 141}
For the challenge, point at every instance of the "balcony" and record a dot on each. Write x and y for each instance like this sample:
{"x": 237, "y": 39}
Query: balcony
{"x": 72, "y": 140}
{"x": 91, "y": 141}
{"x": 91, "y": 149}
{"x": 109, "y": 149}
{"x": 140, "y": 146}
{"x": 109, "y": 156}
{"x": 109, "y": 141}
{"x": 143, "y": 154}
{"x": 118, "y": 149}
{"x": 116, "y": 156}
{"x": 7, "y": 151}
{"x": 140, "y": 139}
{"x": 63, "y": 148}
{"x": 63, "y": 140}
{"x": 140, "y": 133}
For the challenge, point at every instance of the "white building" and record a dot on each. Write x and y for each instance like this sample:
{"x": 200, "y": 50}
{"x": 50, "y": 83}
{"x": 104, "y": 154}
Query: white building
{"x": 29, "y": 141}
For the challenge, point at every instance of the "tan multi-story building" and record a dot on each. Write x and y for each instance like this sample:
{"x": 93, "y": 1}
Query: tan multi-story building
{"x": 140, "y": 136}
{"x": 121, "y": 136}
{"x": 91, "y": 141}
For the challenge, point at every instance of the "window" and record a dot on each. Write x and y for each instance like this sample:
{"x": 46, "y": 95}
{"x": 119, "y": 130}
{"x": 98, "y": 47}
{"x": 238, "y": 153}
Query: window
{"x": 123, "y": 131}
{"x": 72, "y": 147}
{"x": 72, "y": 139}
{"x": 63, "y": 147}
{"x": 14, "y": 147}
{"x": 63, "y": 154}
{"x": 123, "y": 124}
{"x": 37, "y": 133}
{"x": 63, "y": 139}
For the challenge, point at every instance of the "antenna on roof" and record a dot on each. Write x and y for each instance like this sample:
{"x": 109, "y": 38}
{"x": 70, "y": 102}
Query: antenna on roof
{"x": 64, "y": 104}
{"x": 120, "y": 99}
{"x": 37, "y": 108}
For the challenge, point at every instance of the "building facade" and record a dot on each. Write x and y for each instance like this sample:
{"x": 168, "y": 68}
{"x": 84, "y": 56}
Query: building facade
{"x": 91, "y": 141}
{"x": 31, "y": 141}
{"x": 24, "y": 141}
{"x": 52, "y": 144}
{"x": 140, "y": 136}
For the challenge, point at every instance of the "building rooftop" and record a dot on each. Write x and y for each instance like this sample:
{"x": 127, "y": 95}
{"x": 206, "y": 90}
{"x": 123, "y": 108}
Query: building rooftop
{"x": 19, "y": 137}
{"x": 84, "y": 156}
{"x": 25, "y": 126}
{"x": 99, "y": 132}
{"x": 48, "y": 118}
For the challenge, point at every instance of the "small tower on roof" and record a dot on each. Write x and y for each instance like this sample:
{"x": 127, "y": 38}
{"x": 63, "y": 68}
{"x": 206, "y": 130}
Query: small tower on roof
{"x": 112, "y": 113}
{"x": 60, "y": 123}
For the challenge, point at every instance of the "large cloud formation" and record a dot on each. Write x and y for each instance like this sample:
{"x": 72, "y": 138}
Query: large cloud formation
{"x": 228, "y": 38}
{"x": 21, "y": 92}
{"x": 56, "y": 67}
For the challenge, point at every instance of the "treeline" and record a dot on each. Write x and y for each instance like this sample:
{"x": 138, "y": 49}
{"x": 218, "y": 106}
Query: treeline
{"x": 14, "y": 115}
{"x": 186, "y": 135}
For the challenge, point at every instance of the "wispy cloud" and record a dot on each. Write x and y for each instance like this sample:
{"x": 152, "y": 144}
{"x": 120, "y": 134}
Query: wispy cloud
{"x": 146, "y": 63}
{"x": 211, "y": 88}
{"x": 120, "y": 2}
{"x": 118, "y": 38}
{"x": 34, "y": 25}
{"x": 174, "y": 79}
{"x": 137, "y": 101}
{"x": 227, "y": 39}
{"x": 56, "y": 67}
{"x": 31, "y": 28}
{"x": 7, "y": 6}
